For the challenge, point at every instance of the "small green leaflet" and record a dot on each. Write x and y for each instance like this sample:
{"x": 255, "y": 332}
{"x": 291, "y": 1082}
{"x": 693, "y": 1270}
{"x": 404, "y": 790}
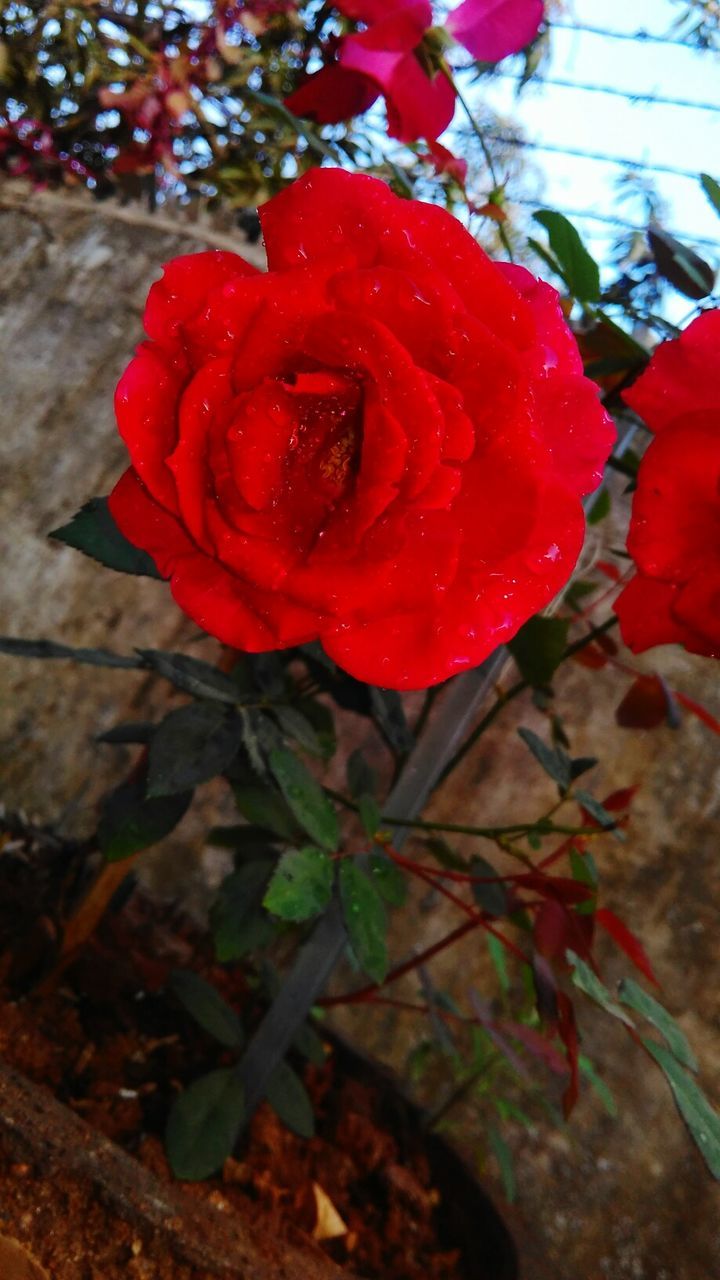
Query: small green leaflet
{"x": 237, "y": 922}
{"x": 289, "y": 1099}
{"x": 388, "y": 710}
{"x": 577, "y": 268}
{"x": 365, "y": 919}
{"x": 49, "y": 649}
{"x": 207, "y": 1007}
{"x": 361, "y": 777}
{"x": 388, "y": 879}
{"x": 204, "y": 1124}
{"x": 701, "y": 1119}
{"x": 265, "y": 807}
{"x": 306, "y": 798}
{"x": 489, "y": 892}
{"x": 587, "y": 982}
{"x": 297, "y": 726}
{"x": 635, "y": 998}
{"x": 191, "y": 674}
{"x": 538, "y": 649}
{"x": 554, "y": 761}
{"x": 301, "y": 886}
{"x": 598, "y": 1084}
{"x": 130, "y": 821}
{"x": 94, "y": 532}
{"x": 191, "y": 745}
{"x": 712, "y": 190}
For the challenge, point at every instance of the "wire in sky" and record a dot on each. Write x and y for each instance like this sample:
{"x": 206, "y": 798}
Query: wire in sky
{"x": 555, "y": 82}
{"x": 624, "y": 161}
{"x": 640, "y": 37}
{"x": 612, "y": 221}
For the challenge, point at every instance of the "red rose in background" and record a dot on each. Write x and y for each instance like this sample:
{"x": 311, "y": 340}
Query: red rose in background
{"x": 380, "y": 443}
{"x": 392, "y": 58}
{"x": 674, "y": 534}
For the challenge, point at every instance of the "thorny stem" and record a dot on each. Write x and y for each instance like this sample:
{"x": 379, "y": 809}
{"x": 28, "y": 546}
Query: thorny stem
{"x": 513, "y": 692}
{"x": 484, "y": 146}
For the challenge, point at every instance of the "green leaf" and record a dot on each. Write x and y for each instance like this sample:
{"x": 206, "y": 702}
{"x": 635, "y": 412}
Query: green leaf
{"x": 497, "y": 955}
{"x": 595, "y": 809}
{"x": 191, "y": 745}
{"x": 297, "y": 726}
{"x": 598, "y": 1084}
{"x": 388, "y": 879}
{"x": 680, "y": 266}
{"x": 244, "y": 838}
{"x": 712, "y": 190}
{"x": 306, "y": 798}
{"x": 370, "y": 815}
{"x": 538, "y": 649}
{"x": 308, "y": 1043}
{"x": 301, "y": 886}
{"x": 365, "y": 919}
{"x": 492, "y": 897}
{"x": 49, "y": 649}
{"x": 289, "y": 1099}
{"x": 204, "y": 1124}
{"x": 94, "y": 532}
{"x": 207, "y": 1007}
{"x": 130, "y": 821}
{"x": 503, "y": 1156}
{"x": 361, "y": 777}
{"x": 388, "y": 710}
{"x": 265, "y": 807}
{"x": 579, "y": 270}
{"x": 192, "y": 675}
{"x": 600, "y": 508}
{"x": 237, "y": 921}
{"x": 323, "y": 722}
{"x": 591, "y": 986}
{"x": 553, "y": 760}
{"x": 635, "y": 998}
{"x": 701, "y": 1119}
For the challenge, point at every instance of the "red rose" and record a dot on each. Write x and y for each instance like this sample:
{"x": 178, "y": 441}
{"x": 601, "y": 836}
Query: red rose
{"x": 380, "y": 443}
{"x": 674, "y": 534}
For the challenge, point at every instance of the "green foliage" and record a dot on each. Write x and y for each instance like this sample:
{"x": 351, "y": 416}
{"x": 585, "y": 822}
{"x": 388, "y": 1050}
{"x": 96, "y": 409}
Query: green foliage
{"x": 680, "y": 266}
{"x": 365, "y": 919}
{"x": 264, "y": 807}
{"x": 591, "y": 986}
{"x": 192, "y": 675}
{"x": 600, "y": 508}
{"x": 595, "y": 809}
{"x": 388, "y": 879}
{"x": 388, "y": 710}
{"x": 553, "y": 760}
{"x": 191, "y": 745}
{"x": 503, "y": 1156}
{"x": 538, "y": 649}
{"x": 205, "y": 1004}
{"x": 712, "y": 190}
{"x": 94, "y": 532}
{"x": 237, "y": 921}
{"x": 702, "y": 1121}
{"x": 289, "y": 1099}
{"x": 131, "y": 821}
{"x": 490, "y": 894}
{"x": 204, "y": 1124}
{"x": 301, "y": 886}
{"x": 295, "y": 725}
{"x": 635, "y": 998}
{"x": 306, "y": 798}
{"x": 570, "y": 259}
{"x": 49, "y": 649}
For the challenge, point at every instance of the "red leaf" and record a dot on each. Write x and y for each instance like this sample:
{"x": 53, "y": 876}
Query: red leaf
{"x": 536, "y": 1044}
{"x": 591, "y": 656}
{"x": 560, "y": 887}
{"x": 647, "y": 704}
{"x": 619, "y": 800}
{"x": 627, "y": 942}
{"x": 558, "y": 930}
{"x": 697, "y": 709}
{"x": 567, "y": 1030}
{"x": 610, "y": 570}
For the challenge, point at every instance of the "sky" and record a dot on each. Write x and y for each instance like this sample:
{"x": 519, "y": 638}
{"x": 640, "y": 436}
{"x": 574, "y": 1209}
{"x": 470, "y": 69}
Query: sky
{"x": 680, "y": 137}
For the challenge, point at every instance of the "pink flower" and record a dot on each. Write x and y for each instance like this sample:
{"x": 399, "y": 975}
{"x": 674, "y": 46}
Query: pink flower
{"x": 493, "y": 29}
{"x": 383, "y": 59}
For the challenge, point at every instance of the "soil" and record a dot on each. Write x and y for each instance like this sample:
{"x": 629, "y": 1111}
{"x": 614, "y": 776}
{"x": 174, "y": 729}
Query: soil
{"x": 114, "y": 1047}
